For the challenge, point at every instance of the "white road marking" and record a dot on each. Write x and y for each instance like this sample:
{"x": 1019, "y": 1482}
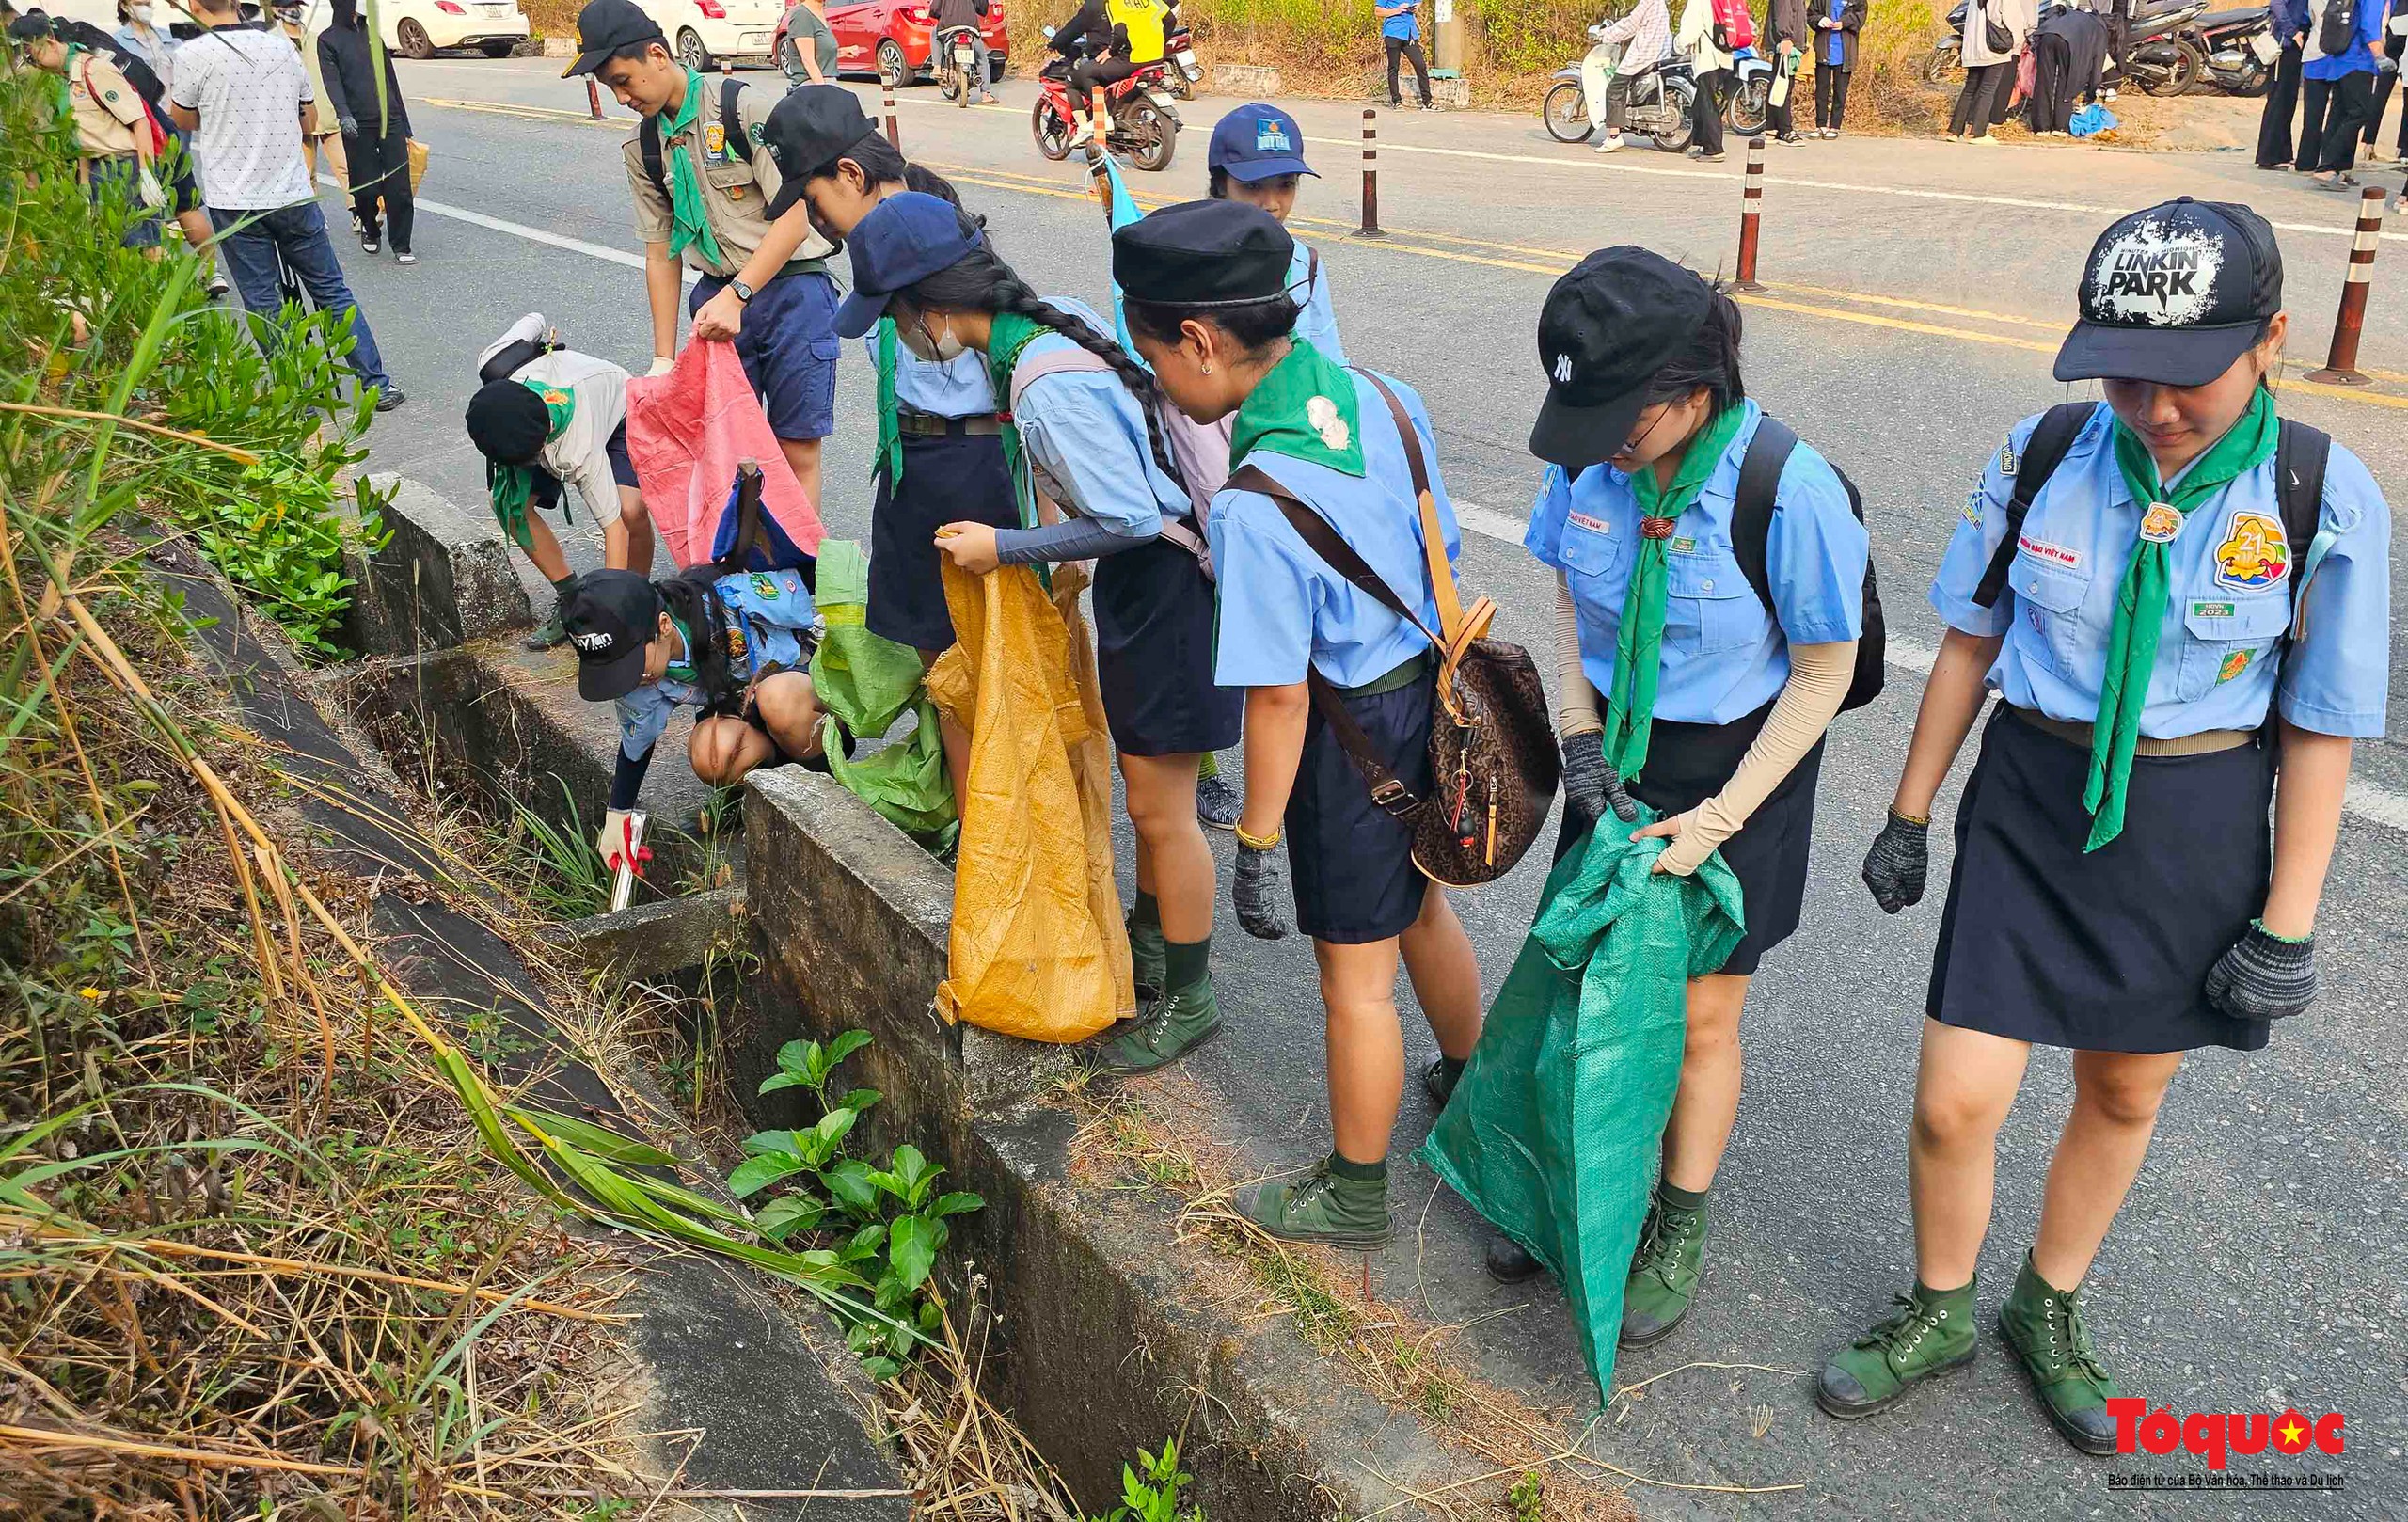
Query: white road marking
{"x": 520, "y": 229}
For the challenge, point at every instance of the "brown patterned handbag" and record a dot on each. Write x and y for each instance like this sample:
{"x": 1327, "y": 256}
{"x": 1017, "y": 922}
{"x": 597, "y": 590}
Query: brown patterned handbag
{"x": 1493, "y": 758}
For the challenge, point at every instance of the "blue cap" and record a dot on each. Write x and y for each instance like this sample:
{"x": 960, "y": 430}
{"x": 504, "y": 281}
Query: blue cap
{"x": 905, "y": 238}
{"x": 1258, "y": 141}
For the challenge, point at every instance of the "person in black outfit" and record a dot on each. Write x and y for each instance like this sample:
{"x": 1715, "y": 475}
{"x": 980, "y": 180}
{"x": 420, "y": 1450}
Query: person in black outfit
{"x": 1099, "y": 54}
{"x": 375, "y": 130}
{"x": 1787, "y": 33}
{"x": 1836, "y": 24}
{"x": 2290, "y": 22}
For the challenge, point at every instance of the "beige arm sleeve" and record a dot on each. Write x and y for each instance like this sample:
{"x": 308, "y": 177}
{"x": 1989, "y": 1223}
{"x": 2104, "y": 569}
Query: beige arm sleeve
{"x": 1818, "y": 679}
{"x": 1578, "y": 713}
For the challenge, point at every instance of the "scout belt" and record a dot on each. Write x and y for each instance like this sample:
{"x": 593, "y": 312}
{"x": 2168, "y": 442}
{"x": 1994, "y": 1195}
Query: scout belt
{"x": 928, "y": 425}
{"x": 2206, "y": 742}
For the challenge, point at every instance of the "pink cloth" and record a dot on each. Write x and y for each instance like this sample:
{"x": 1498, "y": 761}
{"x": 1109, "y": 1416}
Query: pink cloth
{"x": 687, "y": 432}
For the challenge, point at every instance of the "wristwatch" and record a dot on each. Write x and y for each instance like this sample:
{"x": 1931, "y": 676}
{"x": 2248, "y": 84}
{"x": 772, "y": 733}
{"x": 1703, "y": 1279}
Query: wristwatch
{"x": 743, "y": 292}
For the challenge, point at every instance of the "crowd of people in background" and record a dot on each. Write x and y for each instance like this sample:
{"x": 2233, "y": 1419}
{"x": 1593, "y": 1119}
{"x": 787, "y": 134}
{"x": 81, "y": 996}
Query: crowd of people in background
{"x": 2339, "y": 61}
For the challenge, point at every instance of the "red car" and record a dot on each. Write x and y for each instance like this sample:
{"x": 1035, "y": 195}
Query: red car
{"x": 892, "y": 39}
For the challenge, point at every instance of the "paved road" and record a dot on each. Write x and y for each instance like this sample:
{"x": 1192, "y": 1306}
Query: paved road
{"x": 2260, "y": 1262}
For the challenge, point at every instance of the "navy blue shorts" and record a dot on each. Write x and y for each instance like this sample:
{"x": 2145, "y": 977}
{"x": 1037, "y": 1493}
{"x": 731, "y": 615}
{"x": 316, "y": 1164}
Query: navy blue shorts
{"x": 623, "y": 470}
{"x": 945, "y": 480}
{"x": 1153, "y": 647}
{"x": 1352, "y": 861}
{"x": 126, "y": 171}
{"x": 788, "y": 345}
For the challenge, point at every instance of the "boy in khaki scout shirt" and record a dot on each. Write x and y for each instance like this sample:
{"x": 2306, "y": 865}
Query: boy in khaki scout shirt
{"x": 112, "y": 128}
{"x": 715, "y": 205}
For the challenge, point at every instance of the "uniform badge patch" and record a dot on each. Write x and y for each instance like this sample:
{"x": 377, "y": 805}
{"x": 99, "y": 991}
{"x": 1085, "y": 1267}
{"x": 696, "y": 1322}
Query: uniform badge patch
{"x": 1322, "y": 413}
{"x": 1974, "y": 501}
{"x": 2160, "y": 523}
{"x": 1595, "y": 525}
{"x": 2234, "y": 665}
{"x": 715, "y": 140}
{"x": 2040, "y": 549}
{"x": 735, "y": 644}
{"x": 2007, "y": 460}
{"x": 2254, "y": 554}
{"x": 764, "y": 586}
{"x": 2211, "y": 610}
{"x": 1682, "y": 545}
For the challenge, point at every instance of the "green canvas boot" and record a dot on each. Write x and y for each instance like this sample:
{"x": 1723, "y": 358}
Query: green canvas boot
{"x": 1439, "y": 1079}
{"x": 2045, "y": 1328}
{"x": 549, "y": 635}
{"x": 1665, "y": 1270}
{"x": 1146, "y": 953}
{"x": 1931, "y": 1333}
{"x": 1321, "y": 1207}
{"x": 1170, "y": 1027}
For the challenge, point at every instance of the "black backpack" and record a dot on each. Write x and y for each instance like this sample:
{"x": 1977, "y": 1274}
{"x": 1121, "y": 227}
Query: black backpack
{"x": 648, "y": 136}
{"x": 2338, "y": 27}
{"x": 2300, "y": 455}
{"x": 1751, "y": 527}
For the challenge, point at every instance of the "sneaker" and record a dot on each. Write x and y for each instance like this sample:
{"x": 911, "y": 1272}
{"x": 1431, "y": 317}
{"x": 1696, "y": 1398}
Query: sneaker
{"x": 2106, "y": 95}
{"x": 1787, "y": 137}
{"x": 1217, "y": 803}
{"x": 1990, "y": 138}
{"x": 1084, "y": 136}
{"x": 1664, "y": 1273}
{"x": 1438, "y": 1081}
{"x": 1177, "y": 1024}
{"x": 1320, "y": 1207}
{"x": 1609, "y": 145}
{"x": 218, "y": 286}
{"x": 2045, "y": 1328}
{"x": 1146, "y": 961}
{"x": 1831, "y": 133}
{"x": 1508, "y": 1262}
{"x": 1930, "y": 1333}
{"x": 550, "y": 634}
{"x": 392, "y": 397}
{"x": 1712, "y": 158}
{"x": 367, "y": 244}
{"x": 405, "y": 257}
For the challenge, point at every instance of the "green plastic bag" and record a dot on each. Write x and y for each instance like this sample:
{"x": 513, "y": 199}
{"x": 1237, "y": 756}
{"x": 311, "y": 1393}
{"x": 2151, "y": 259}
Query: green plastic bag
{"x": 1554, "y": 1130}
{"x": 866, "y": 683}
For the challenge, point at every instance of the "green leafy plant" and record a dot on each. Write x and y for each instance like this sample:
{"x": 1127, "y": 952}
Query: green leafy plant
{"x": 1153, "y": 1489}
{"x": 1529, "y": 1497}
{"x": 564, "y": 878}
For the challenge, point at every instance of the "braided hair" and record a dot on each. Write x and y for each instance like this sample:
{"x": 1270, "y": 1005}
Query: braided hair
{"x": 692, "y": 599}
{"x": 979, "y": 282}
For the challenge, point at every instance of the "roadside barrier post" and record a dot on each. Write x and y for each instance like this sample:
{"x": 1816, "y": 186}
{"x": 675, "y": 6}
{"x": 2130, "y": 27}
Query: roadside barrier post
{"x": 1751, "y": 215}
{"x": 894, "y": 133}
{"x": 1371, "y": 228}
{"x": 2341, "y": 362}
{"x": 1099, "y": 118}
{"x": 593, "y": 98}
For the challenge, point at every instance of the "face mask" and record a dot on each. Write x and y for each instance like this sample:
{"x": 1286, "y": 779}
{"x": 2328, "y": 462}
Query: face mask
{"x": 141, "y": 14}
{"x": 942, "y": 349}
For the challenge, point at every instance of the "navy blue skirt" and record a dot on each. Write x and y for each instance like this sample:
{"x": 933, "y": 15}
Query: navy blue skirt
{"x": 2107, "y": 951}
{"x": 1353, "y": 862}
{"x": 1153, "y": 644}
{"x": 953, "y": 478}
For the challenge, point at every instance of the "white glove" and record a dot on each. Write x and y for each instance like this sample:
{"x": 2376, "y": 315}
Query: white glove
{"x": 661, "y": 365}
{"x": 612, "y": 843}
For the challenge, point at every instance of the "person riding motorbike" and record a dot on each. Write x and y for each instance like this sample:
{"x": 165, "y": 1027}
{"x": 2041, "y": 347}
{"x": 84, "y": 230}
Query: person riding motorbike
{"x": 1107, "y": 42}
{"x": 966, "y": 16}
{"x": 1625, "y": 49}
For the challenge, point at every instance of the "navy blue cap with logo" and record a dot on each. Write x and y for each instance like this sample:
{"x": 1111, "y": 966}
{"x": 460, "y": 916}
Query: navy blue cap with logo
{"x": 905, "y": 238}
{"x": 1258, "y": 141}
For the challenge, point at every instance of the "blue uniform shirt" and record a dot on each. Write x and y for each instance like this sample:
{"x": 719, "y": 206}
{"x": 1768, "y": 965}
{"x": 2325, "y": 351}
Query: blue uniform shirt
{"x": 768, "y": 613}
{"x": 1725, "y": 656}
{"x": 1084, "y": 433}
{"x": 2365, "y": 30}
{"x": 1308, "y": 283}
{"x": 1404, "y": 23}
{"x": 1834, "y": 41}
{"x": 1282, "y": 606}
{"x": 957, "y": 389}
{"x": 2232, "y": 586}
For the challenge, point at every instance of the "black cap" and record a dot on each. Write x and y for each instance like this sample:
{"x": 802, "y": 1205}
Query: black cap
{"x": 2175, "y": 295}
{"x": 610, "y": 616}
{"x": 605, "y": 26}
{"x": 31, "y": 27}
{"x": 1607, "y": 328}
{"x": 508, "y": 422}
{"x": 809, "y": 128}
{"x": 1203, "y": 253}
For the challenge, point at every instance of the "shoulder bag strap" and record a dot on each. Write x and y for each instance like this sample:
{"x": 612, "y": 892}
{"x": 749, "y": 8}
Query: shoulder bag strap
{"x": 731, "y": 118}
{"x": 1433, "y": 539}
{"x": 2043, "y": 450}
{"x": 2300, "y": 455}
{"x": 648, "y": 145}
{"x": 1759, "y": 494}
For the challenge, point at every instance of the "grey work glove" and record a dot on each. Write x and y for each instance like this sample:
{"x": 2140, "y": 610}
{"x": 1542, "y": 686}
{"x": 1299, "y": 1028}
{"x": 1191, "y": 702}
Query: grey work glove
{"x": 1898, "y": 862}
{"x": 349, "y": 123}
{"x": 1256, "y": 892}
{"x": 1589, "y": 785}
{"x": 2263, "y": 976}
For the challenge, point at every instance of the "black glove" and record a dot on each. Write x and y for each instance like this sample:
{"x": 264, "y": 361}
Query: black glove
{"x": 1589, "y": 785}
{"x": 1256, "y": 892}
{"x": 1899, "y": 861}
{"x": 349, "y": 123}
{"x": 2263, "y": 976}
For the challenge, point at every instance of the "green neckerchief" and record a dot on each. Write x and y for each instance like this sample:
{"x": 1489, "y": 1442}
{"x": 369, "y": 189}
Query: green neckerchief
{"x": 1638, "y": 646}
{"x": 1279, "y": 414}
{"x": 888, "y": 457}
{"x": 681, "y": 671}
{"x": 688, "y": 222}
{"x": 1010, "y": 335}
{"x": 513, "y": 484}
{"x": 2140, "y": 602}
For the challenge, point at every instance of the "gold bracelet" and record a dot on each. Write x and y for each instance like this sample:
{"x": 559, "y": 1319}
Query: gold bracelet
{"x": 1923, "y": 823}
{"x": 1257, "y": 843}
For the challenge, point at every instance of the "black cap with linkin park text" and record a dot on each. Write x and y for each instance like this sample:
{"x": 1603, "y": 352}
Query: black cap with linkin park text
{"x": 809, "y": 130}
{"x": 610, "y": 616}
{"x": 605, "y": 26}
{"x": 1620, "y": 316}
{"x": 2175, "y": 295}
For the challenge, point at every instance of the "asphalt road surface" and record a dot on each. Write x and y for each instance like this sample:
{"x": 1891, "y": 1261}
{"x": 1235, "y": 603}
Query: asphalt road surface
{"x": 1918, "y": 291}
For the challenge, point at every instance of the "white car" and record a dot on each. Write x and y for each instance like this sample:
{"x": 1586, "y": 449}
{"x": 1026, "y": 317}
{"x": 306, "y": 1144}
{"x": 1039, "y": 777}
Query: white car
{"x": 415, "y": 28}
{"x": 702, "y": 32}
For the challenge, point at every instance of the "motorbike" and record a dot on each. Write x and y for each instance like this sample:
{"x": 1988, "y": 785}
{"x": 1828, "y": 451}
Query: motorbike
{"x": 1184, "y": 72}
{"x": 1660, "y": 97}
{"x": 1746, "y": 99}
{"x": 1144, "y": 124}
{"x": 2238, "y": 48}
{"x": 957, "y": 63}
{"x": 2158, "y": 58}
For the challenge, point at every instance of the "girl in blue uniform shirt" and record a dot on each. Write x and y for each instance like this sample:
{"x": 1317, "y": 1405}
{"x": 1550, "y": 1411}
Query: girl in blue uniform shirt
{"x": 940, "y": 443}
{"x": 1715, "y": 703}
{"x": 1209, "y": 304}
{"x": 1257, "y": 157}
{"x": 1088, "y": 431}
{"x": 2115, "y": 890}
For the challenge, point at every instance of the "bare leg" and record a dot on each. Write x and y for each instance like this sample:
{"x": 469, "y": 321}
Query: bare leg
{"x": 789, "y": 706}
{"x": 627, "y": 545}
{"x": 1365, "y": 1046}
{"x": 955, "y": 738}
{"x": 1966, "y": 1086}
{"x": 1707, "y": 1101}
{"x": 1172, "y": 862}
{"x": 723, "y": 750}
{"x": 2115, "y": 1098}
{"x": 1446, "y": 974}
{"x": 802, "y": 455}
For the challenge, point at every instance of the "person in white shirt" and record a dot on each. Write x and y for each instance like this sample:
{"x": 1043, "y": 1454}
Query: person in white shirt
{"x": 244, "y": 97}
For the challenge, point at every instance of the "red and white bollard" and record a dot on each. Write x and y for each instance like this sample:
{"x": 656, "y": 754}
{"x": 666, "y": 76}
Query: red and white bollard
{"x": 2342, "y": 362}
{"x": 1371, "y": 228}
{"x": 593, "y": 99}
{"x": 1751, "y": 214}
{"x": 894, "y": 133}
